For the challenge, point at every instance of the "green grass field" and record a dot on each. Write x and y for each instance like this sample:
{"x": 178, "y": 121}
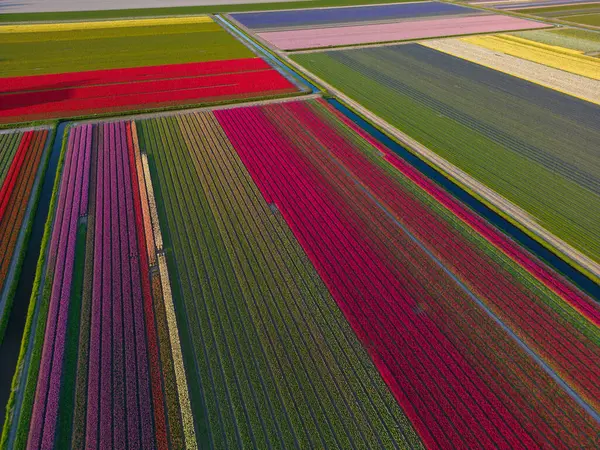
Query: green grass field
{"x": 112, "y": 48}
{"x": 152, "y": 12}
{"x": 534, "y": 146}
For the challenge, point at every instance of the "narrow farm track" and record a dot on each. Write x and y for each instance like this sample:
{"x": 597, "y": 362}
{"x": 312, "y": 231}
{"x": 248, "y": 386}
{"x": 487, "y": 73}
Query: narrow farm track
{"x": 101, "y": 376}
{"x": 231, "y": 245}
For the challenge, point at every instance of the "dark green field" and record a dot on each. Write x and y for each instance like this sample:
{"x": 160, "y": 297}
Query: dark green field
{"x": 535, "y": 146}
{"x": 112, "y": 48}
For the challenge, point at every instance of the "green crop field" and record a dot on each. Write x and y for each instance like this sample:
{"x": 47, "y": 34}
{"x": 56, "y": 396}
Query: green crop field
{"x": 36, "y": 53}
{"x": 575, "y": 39}
{"x": 585, "y": 19}
{"x": 533, "y": 145}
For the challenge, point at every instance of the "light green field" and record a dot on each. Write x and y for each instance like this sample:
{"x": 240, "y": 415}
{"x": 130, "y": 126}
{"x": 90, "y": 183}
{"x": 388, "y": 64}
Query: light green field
{"x": 585, "y": 19}
{"x": 582, "y": 40}
{"x": 38, "y": 53}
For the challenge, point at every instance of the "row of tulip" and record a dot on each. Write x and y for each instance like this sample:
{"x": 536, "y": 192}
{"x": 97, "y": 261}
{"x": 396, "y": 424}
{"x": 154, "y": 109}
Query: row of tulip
{"x": 475, "y": 348}
{"x": 121, "y": 367}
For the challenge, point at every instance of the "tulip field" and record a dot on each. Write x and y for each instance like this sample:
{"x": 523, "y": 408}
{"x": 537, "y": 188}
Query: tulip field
{"x": 138, "y": 65}
{"x": 271, "y": 276}
{"x": 336, "y": 27}
{"x": 22, "y": 154}
{"x": 275, "y": 224}
{"x": 109, "y": 370}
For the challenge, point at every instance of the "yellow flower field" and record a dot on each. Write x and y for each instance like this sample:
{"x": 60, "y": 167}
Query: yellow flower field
{"x": 549, "y": 55}
{"x": 96, "y": 25}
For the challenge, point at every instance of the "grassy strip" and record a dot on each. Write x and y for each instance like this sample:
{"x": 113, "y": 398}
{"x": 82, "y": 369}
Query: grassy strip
{"x": 40, "y": 297}
{"x": 180, "y": 10}
{"x": 66, "y": 408}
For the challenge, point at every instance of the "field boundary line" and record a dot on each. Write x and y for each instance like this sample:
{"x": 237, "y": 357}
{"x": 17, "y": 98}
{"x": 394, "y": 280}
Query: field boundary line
{"x": 514, "y": 213}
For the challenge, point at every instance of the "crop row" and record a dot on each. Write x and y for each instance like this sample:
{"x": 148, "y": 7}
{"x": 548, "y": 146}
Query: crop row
{"x": 456, "y": 337}
{"x": 48, "y": 96}
{"x": 105, "y": 377}
{"x": 270, "y": 358}
{"x": 21, "y": 154}
{"x": 516, "y": 148}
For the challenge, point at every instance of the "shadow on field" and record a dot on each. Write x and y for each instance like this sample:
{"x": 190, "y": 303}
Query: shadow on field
{"x": 50, "y": 93}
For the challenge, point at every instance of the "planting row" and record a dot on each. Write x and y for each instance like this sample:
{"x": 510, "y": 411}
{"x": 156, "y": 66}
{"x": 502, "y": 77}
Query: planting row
{"x": 480, "y": 344}
{"x": 536, "y": 147}
{"x": 22, "y": 154}
{"x": 105, "y": 368}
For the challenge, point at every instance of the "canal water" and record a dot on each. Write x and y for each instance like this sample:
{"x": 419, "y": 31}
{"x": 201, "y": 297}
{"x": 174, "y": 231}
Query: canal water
{"x": 11, "y": 345}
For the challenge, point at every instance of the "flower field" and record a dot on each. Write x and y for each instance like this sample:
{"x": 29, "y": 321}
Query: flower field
{"x": 114, "y": 90}
{"x": 137, "y": 65}
{"x": 569, "y": 83}
{"x": 293, "y": 30}
{"x": 456, "y": 325}
{"x": 572, "y": 61}
{"x": 264, "y": 21}
{"x": 516, "y": 148}
{"x": 271, "y": 277}
{"x": 21, "y": 155}
{"x": 108, "y": 371}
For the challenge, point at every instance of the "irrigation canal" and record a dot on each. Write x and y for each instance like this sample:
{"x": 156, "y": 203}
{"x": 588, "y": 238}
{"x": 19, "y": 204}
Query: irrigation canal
{"x": 11, "y": 345}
